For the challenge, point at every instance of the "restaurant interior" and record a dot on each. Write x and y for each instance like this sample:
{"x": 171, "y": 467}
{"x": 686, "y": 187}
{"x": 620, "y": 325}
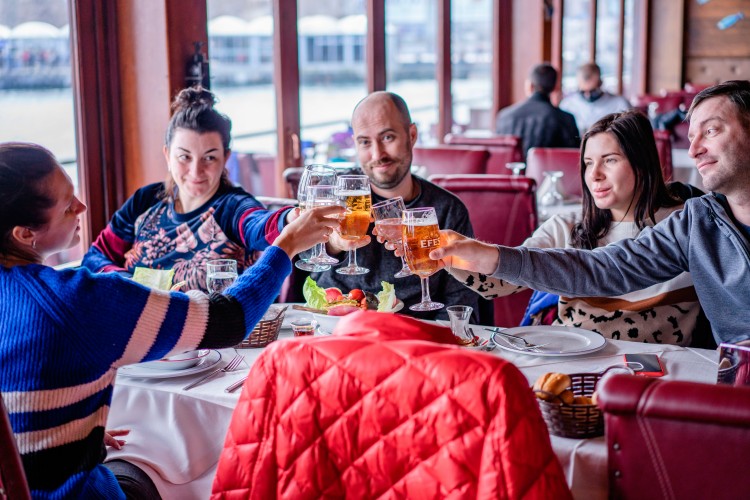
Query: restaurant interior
{"x": 378, "y": 404}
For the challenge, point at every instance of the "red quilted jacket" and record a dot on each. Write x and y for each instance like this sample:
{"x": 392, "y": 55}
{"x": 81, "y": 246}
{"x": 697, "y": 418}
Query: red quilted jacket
{"x": 386, "y": 410}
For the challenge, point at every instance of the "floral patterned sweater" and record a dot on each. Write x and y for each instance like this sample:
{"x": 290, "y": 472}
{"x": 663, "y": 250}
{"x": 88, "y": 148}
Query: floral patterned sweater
{"x": 147, "y": 232}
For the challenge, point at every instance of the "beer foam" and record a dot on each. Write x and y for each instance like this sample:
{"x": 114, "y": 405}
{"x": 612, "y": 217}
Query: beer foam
{"x": 360, "y": 192}
{"x": 421, "y": 222}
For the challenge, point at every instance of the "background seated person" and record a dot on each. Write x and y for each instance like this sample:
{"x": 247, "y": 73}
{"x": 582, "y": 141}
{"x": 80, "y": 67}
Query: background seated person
{"x": 196, "y": 215}
{"x": 384, "y": 136}
{"x": 591, "y": 102}
{"x": 623, "y": 192}
{"x": 57, "y": 368}
{"x": 536, "y": 120}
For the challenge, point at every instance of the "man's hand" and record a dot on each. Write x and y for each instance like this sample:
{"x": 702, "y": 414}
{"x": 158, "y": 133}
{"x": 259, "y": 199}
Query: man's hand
{"x": 338, "y": 244}
{"x": 457, "y": 251}
{"x": 311, "y": 227}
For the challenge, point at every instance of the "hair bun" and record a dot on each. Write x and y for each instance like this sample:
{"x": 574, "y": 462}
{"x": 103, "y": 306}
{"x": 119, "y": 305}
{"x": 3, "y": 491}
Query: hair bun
{"x": 193, "y": 97}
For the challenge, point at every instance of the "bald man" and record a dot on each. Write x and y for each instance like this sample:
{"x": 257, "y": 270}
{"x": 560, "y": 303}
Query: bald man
{"x": 384, "y": 137}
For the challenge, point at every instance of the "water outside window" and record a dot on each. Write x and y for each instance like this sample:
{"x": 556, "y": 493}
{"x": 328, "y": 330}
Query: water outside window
{"x": 607, "y": 33}
{"x": 576, "y": 39}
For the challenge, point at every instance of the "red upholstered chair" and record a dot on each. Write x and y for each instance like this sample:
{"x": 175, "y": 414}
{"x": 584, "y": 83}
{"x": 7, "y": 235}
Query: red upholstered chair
{"x": 13, "y": 485}
{"x": 451, "y": 159}
{"x": 257, "y": 173}
{"x": 566, "y": 160}
{"x": 664, "y": 148}
{"x": 502, "y": 210}
{"x": 673, "y": 439}
{"x": 503, "y": 149}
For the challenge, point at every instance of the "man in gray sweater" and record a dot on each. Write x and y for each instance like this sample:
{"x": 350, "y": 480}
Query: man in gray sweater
{"x": 710, "y": 237}
{"x": 384, "y": 136}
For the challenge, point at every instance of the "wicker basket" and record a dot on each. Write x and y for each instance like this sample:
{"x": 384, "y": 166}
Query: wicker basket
{"x": 265, "y": 332}
{"x": 575, "y": 421}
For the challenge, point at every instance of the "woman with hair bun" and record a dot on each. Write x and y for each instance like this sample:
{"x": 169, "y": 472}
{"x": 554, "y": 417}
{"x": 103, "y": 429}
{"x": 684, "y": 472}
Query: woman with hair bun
{"x": 196, "y": 215}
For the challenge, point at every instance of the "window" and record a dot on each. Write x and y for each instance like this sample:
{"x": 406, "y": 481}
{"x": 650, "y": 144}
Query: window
{"x": 576, "y": 41}
{"x": 607, "y": 34}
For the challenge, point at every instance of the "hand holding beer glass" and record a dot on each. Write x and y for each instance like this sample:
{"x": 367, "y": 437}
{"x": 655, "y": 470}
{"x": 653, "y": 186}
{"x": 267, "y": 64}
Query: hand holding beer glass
{"x": 420, "y": 236}
{"x": 321, "y": 196}
{"x": 313, "y": 175}
{"x": 353, "y": 192}
{"x": 388, "y": 216}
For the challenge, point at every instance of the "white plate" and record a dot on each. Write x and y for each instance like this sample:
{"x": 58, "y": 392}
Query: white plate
{"x": 179, "y": 361}
{"x": 139, "y": 371}
{"x": 328, "y": 323}
{"x": 559, "y": 340}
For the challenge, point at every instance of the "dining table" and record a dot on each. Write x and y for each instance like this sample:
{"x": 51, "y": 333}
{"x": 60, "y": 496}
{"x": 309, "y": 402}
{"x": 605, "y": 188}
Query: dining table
{"x": 177, "y": 435}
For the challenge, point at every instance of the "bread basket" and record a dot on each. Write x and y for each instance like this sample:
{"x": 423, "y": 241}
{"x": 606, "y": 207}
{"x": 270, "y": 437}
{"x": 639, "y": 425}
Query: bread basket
{"x": 575, "y": 420}
{"x": 266, "y": 331}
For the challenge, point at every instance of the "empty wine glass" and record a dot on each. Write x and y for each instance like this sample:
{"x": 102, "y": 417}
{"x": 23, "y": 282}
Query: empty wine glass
{"x": 550, "y": 192}
{"x": 220, "y": 273}
{"x": 321, "y": 196}
{"x": 353, "y": 192}
{"x": 313, "y": 175}
{"x": 420, "y": 236}
{"x": 388, "y": 219}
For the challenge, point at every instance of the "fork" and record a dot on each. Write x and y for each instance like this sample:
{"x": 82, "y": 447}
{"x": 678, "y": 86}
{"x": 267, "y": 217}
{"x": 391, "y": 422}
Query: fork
{"x": 526, "y": 344}
{"x": 230, "y": 367}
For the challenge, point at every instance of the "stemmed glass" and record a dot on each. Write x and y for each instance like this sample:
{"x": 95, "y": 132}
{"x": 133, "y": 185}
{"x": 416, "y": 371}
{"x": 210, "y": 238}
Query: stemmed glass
{"x": 220, "y": 273}
{"x": 388, "y": 220}
{"x": 353, "y": 192}
{"x": 421, "y": 235}
{"x": 551, "y": 193}
{"x": 516, "y": 167}
{"x": 321, "y": 196}
{"x": 313, "y": 175}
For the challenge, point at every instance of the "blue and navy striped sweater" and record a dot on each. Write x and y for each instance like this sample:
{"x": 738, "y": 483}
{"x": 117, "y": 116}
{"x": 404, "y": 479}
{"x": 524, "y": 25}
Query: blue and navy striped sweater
{"x": 63, "y": 334}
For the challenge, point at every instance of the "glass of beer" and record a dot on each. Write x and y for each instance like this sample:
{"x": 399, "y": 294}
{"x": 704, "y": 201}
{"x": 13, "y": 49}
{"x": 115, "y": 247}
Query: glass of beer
{"x": 388, "y": 220}
{"x": 353, "y": 192}
{"x": 421, "y": 236}
{"x": 321, "y": 196}
{"x": 313, "y": 175}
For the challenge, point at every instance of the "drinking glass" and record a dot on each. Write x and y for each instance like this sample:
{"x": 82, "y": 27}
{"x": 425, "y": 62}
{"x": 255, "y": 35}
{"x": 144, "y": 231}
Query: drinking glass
{"x": 550, "y": 190}
{"x": 459, "y": 316}
{"x": 220, "y": 273}
{"x": 321, "y": 196}
{"x": 388, "y": 219}
{"x": 313, "y": 175}
{"x": 516, "y": 167}
{"x": 420, "y": 236}
{"x": 353, "y": 192}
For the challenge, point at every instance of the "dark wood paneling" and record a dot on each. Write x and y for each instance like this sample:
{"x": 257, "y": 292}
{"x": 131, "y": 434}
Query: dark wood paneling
{"x": 286, "y": 81}
{"x": 705, "y": 39}
{"x": 376, "y": 47}
{"x": 502, "y": 62}
{"x": 443, "y": 69}
{"x": 665, "y": 59}
{"x": 527, "y": 47}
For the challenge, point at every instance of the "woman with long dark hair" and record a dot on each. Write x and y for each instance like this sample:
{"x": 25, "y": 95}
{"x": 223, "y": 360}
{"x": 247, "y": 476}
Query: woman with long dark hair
{"x": 623, "y": 192}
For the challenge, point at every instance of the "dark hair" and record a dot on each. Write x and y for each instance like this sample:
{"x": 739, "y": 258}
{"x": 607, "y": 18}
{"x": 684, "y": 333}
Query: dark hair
{"x": 398, "y": 102}
{"x": 193, "y": 109}
{"x": 590, "y": 70}
{"x": 543, "y": 78}
{"x": 23, "y": 201}
{"x": 737, "y": 91}
{"x": 635, "y": 137}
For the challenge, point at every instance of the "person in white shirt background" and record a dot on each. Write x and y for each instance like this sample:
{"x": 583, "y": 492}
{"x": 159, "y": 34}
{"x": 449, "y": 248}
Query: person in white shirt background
{"x": 591, "y": 102}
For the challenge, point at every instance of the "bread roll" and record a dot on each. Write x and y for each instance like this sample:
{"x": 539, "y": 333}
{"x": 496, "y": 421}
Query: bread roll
{"x": 552, "y": 383}
{"x": 582, "y": 400}
{"x": 567, "y": 397}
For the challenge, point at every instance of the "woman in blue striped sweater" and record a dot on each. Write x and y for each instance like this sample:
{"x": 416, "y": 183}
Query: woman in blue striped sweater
{"x": 63, "y": 334}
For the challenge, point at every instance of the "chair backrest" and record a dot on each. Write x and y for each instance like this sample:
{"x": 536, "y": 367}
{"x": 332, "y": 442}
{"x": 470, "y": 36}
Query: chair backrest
{"x": 664, "y": 148}
{"x": 383, "y": 408}
{"x": 13, "y": 484}
{"x": 502, "y": 210}
{"x": 503, "y": 149}
{"x": 451, "y": 159}
{"x": 292, "y": 177}
{"x": 672, "y": 439}
{"x": 255, "y": 172}
{"x": 566, "y": 160}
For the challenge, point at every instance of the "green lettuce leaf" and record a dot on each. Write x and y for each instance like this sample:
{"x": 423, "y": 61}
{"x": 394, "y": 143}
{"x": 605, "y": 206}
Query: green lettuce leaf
{"x": 386, "y": 297}
{"x": 315, "y": 296}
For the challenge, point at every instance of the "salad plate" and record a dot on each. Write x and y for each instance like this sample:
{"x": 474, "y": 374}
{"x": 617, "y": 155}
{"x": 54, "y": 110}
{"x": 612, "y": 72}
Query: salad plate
{"x": 140, "y": 371}
{"x": 326, "y": 322}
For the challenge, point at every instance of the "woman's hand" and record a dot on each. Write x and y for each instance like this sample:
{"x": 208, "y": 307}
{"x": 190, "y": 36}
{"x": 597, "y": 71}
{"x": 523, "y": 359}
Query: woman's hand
{"x": 109, "y": 438}
{"x": 457, "y": 251}
{"x": 389, "y": 245}
{"x": 338, "y": 244}
{"x": 312, "y": 226}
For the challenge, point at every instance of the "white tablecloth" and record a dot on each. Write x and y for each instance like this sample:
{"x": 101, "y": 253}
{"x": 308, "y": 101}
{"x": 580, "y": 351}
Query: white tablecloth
{"x": 177, "y": 436}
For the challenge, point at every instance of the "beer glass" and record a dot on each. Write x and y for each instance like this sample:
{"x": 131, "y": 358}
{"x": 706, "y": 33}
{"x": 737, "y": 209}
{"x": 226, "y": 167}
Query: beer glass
{"x": 421, "y": 236}
{"x": 313, "y": 175}
{"x": 353, "y": 192}
{"x": 388, "y": 219}
{"x": 321, "y": 196}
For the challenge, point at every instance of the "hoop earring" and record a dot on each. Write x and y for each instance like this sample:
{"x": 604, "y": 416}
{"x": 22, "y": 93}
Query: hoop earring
{"x": 33, "y": 244}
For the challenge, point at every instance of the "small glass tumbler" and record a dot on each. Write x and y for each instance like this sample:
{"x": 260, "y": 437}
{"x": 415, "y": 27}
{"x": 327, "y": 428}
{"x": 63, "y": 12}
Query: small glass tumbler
{"x": 303, "y": 327}
{"x": 220, "y": 274}
{"x": 460, "y": 316}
